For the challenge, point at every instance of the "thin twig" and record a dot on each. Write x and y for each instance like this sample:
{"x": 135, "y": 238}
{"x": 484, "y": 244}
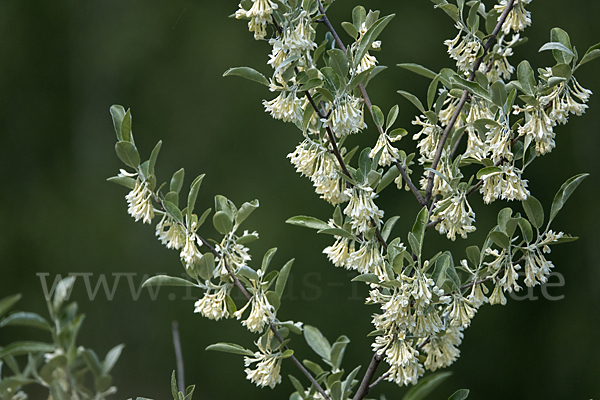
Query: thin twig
{"x": 178, "y": 357}
{"x": 378, "y": 380}
{"x": 463, "y": 99}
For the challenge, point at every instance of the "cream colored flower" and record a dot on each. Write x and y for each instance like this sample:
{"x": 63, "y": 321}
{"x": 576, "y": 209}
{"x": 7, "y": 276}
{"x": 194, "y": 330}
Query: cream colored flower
{"x": 267, "y": 372}
{"x": 442, "y": 349}
{"x": 339, "y": 252}
{"x": 389, "y": 153}
{"x": 259, "y": 15}
{"x": 456, "y": 215}
{"x": 347, "y": 116}
{"x": 518, "y": 18}
{"x": 464, "y": 51}
{"x": 362, "y": 209}
{"x": 213, "y": 305}
{"x": 170, "y": 233}
{"x": 505, "y": 184}
{"x": 286, "y": 107}
{"x": 140, "y": 202}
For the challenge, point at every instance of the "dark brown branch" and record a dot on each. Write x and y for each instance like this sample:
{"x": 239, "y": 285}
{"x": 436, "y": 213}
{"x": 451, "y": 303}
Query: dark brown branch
{"x": 463, "y": 99}
{"x": 364, "y": 387}
{"x": 409, "y": 183}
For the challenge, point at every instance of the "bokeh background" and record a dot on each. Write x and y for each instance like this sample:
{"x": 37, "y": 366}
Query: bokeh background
{"x": 63, "y": 63}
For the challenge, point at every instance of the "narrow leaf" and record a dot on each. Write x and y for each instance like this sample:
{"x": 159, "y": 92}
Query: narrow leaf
{"x": 248, "y": 73}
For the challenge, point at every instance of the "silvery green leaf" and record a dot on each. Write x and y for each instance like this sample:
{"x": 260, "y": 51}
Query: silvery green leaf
{"x": 526, "y": 230}
{"x": 473, "y": 255}
{"x": 337, "y": 232}
{"x": 500, "y": 239}
{"x": 503, "y": 218}
{"x": 63, "y": 292}
{"x": 426, "y": 385}
{"x": 313, "y": 367}
{"x": 360, "y": 78}
{"x": 439, "y": 272}
{"x": 563, "y": 194}
{"x": 359, "y": 15}
{"x": 193, "y": 195}
{"x": 488, "y": 170}
{"x": 347, "y": 384}
{"x": 460, "y": 394}
{"x": 338, "y": 349}
{"x": 378, "y": 116}
{"x": 18, "y": 348}
{"x": 154, "y": 157}
{"x": 499, "y": 95}
{"x": 413, "y": 99}
{"x": 267, "y": 259}
{"x": 448, "y": 8}
{"x": 206, "y": 265}
{"x": 126, "y": 127}
{"x": 111, "y": 358}
{"x": 117, "y": 112}
{"x": 534, "y": 210}
{"x": 315, "y": 339}
{"x": 350, "y": 30}
{"x": 526, "y": 78}
{"x": 556, "y": 46}
{"x": 177, "y": 181}
{"x": 562, "y": 71}
{"x": 308, "y": 222}
{"x": 419, "y": 69}
{"x": 92, "y": 361}
{"x": 165, "y": 280}
{"x": 368, "y": 278}
{"x": 472, "y": 87}
{"x": 338, "y": 62}
{"x": 127, "y": 152}
{"x": 230, "y": 348}
{"x": 203, "y": 217}
{"x": 297, "y": 385}
{"x": 245, "y": 210}
{"x": 248, "y": 73}
{"x": 414, "y": 243}
{"x": 388, "y": 226}
{"x": 123, "y": 181}
{"x": 370, "y": 36}
{"x": 560, "y": 55}
{"x": 8, "y": 302}
{"x": 388, "y": 178}
{"x": 311, "y": 84}
{"x": 431, "y": 91}
{"x": 29, "y": 319}
{"x": 591, "y": 54}
{"x": 283, "y": 277}
{"x": 392, "y": 115}
{"x": 273, "y": 299}
{"x": 336, "y": 390}
{"x": 189, "y": 392}
{"x": 473, "y": 18}
{"x": 173, "y": 210}
{"x": 249, "y": 273}
{"x": 332, "y": 78}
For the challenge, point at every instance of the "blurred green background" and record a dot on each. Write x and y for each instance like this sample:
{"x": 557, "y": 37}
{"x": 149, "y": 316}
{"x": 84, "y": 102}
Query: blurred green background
{"x": 65, "y": 62}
